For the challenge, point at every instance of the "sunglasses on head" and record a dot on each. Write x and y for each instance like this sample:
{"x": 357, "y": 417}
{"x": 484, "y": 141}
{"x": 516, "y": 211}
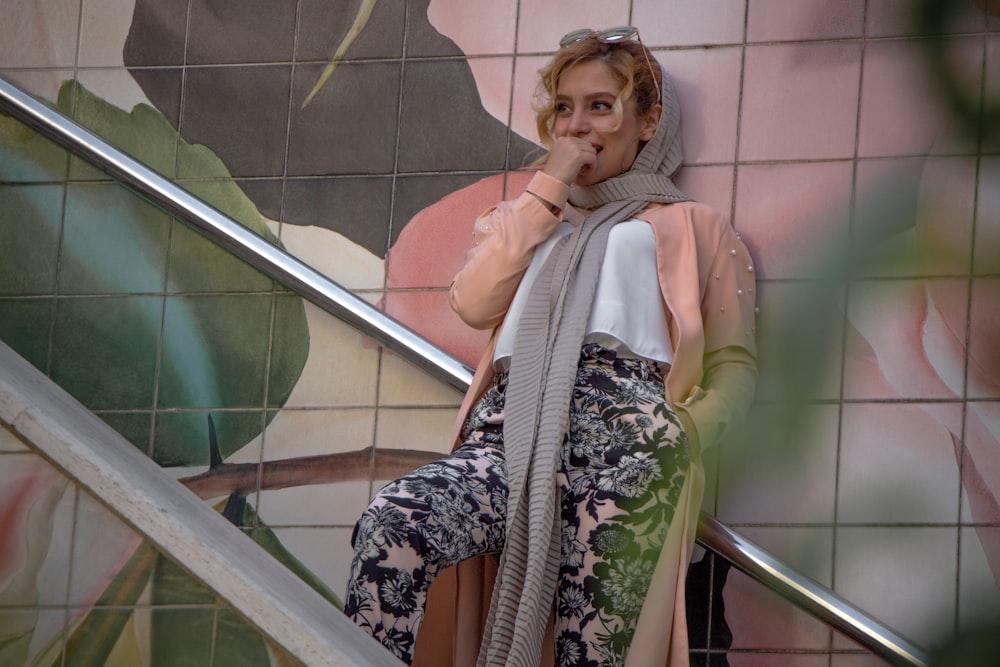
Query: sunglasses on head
{"x": 611, "y": 37}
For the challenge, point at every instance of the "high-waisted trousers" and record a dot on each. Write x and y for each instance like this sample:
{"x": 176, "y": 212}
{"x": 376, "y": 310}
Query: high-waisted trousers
{"x": 623, "y": 464}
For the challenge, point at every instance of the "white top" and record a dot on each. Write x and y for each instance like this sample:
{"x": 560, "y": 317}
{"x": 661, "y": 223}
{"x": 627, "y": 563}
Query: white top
{"x": 627, "y": 314}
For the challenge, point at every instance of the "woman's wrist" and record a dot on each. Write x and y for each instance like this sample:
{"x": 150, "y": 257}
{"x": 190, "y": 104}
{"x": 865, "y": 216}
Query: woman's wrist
{"x": 553, "y": 208}
{"x": 549, "y": 191}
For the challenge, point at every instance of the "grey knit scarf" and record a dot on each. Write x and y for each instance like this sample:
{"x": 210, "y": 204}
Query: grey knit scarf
{"x": 542, "y": 375}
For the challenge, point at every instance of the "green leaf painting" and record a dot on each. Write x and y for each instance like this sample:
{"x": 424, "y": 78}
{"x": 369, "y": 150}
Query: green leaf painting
{"x": 266, "y": 538}
{"x": 95, "y": 637}
{"x": 142, "y": 314}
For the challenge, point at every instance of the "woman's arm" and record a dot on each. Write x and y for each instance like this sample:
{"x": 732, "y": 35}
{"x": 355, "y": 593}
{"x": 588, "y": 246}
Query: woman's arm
{"x": 729, "y": 366}
{"x": 505, "y": 239}
{"x": 721, "y": 401}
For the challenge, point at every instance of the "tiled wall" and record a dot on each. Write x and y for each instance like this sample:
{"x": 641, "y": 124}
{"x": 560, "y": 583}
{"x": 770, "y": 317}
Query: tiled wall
{"x": 871, "y": 461}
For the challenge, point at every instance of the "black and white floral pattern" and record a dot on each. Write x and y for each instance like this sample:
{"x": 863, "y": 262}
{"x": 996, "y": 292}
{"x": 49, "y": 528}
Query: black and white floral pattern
{"x": 436, "y": 516}
{"x": 623, "y": 465}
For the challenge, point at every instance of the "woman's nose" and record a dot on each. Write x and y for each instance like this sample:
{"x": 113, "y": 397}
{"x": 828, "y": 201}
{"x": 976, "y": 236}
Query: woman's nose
{"x": 579, "y": 123}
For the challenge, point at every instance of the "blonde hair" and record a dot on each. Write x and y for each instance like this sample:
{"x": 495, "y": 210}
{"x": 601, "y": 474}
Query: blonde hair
{"x": 628, "y": 64}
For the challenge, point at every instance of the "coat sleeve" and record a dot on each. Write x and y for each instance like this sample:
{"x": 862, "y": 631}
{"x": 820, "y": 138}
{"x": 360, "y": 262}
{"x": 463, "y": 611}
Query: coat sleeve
{"x": 723, "y": 398}
{"x": 505, "y": 239}
{"x": 729, "y": 365}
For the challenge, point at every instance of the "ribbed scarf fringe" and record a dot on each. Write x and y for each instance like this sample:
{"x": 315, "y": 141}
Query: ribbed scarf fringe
{"x": 542, "y": 376}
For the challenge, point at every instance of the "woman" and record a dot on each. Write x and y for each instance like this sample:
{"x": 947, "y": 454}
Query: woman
{"x": 622, "y": 345}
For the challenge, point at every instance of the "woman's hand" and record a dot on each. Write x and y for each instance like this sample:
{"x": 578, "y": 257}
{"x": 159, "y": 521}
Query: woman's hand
{"x": 568, "y": 157}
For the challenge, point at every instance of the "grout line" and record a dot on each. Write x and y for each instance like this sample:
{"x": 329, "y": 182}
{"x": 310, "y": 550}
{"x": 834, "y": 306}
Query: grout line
{"x": 264, "y": 411}
{"x": 510, "y": 103}
{"x": 73, "y": 562}
{"x": 215, "y": 633}
{"x": 449, "y": 406}
{"x": 274, "y": 285}
{"x": 158, "y": 367}
{"x": 346, "y": 407}
{"x": 56, "y": 275}
{"x": 844, "y": 318}
{"x": 969, "y": 304}
{"x": 183, "y": 95}
{"x": 157, "y": 370}
{"x": 732, "y": 215}
{"x": 145, "y": 606}
{"x": 396, "y": 140}
{"x": 79, "y": 41}
{"x": 380, "y": 353}
{"x": 708, "y": 46}
{"x": 288, "y": 120}
{"x": 158, "y": 364}
{"x": 739, "y": 113}
{"x": 54, "y": 311}
{"x": 492, "y": 172}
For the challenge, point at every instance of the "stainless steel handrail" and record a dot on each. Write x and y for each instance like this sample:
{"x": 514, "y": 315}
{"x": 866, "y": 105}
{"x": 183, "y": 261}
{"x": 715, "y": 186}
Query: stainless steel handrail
{"x": 805, "y": 593}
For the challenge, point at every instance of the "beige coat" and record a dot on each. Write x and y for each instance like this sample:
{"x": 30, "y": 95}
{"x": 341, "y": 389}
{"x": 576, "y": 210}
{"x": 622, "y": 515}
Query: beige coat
{"x": 707, "y": 280}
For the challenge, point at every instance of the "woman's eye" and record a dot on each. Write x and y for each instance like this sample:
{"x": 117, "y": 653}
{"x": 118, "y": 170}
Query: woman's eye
{"x": 562, "y": 108}
{"x": 602, "y": 106}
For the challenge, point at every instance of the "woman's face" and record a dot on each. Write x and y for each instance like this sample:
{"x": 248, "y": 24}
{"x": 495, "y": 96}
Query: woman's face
{"x": 585, "y": 102}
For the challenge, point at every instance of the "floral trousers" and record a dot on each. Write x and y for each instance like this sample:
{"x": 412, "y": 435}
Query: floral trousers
{"x": 623, "y": 464}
